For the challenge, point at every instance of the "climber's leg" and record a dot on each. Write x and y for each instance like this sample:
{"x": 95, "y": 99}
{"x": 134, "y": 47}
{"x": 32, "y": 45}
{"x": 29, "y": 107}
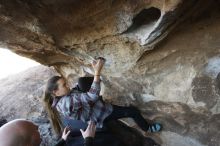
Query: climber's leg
{"x": 84, "y": 83}
{"x": 123, "y": 112}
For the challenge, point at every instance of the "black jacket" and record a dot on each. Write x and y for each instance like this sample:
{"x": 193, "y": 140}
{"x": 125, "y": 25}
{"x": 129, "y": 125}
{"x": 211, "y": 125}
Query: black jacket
{"x": 87, "y": 142}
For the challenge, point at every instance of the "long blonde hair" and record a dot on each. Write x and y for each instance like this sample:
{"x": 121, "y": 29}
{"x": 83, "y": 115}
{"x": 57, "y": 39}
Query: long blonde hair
{"x": 48, "y": 101}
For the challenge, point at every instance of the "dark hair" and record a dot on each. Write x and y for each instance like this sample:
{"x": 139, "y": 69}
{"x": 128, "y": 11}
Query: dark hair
{"x": 48, "y": 101}
{"x": 3, "y": 122}
{"x": 218, "y": 80}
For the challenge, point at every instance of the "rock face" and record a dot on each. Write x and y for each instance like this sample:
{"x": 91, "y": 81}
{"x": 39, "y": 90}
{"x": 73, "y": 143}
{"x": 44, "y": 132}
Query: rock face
{"x": 162, "y": 56}
{"x": 27, "y": 88}
{"x": 21, "y": 93}
{"x": 20, "y": 98}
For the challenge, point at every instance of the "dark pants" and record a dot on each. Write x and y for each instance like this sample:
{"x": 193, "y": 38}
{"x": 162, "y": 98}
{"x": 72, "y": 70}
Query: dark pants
{"x": 128, "y": 112}
{"x": 84, "y": 84}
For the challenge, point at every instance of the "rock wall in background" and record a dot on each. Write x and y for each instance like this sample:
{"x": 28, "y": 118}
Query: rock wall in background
{"x": 21, "y": 97}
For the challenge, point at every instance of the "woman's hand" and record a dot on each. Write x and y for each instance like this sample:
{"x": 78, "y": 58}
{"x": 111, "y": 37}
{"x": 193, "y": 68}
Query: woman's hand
{"x": 90, "y": 131}
{"x": 66, "y": 132}
{"x": 97, "y": 65}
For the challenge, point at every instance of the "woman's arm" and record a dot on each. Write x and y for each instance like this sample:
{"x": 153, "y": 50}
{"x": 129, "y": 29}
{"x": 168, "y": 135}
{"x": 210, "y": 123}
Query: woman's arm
{"x": 97, "y": 66}
{"x": 94, "y": 91}
{"x": 61, "y": 142}
{"x": 89, "y": 134}
{"x": 65, "y": 134}
{"x": 67, "y": 105}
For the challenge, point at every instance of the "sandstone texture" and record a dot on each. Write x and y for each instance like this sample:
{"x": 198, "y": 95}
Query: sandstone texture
{"x": 162, "y": 55}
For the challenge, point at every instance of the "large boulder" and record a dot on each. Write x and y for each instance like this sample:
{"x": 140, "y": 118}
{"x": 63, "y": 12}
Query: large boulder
{"x": 162, "y": 56}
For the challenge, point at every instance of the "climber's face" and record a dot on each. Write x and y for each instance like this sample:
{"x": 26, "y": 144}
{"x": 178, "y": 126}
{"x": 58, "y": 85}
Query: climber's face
{"x": 63, "y": 88}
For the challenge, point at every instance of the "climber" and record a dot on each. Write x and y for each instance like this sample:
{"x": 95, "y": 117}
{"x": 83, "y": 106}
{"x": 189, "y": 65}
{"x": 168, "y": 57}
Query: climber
{"x": 22, "y": 132}
{"x": 85, "y": 106}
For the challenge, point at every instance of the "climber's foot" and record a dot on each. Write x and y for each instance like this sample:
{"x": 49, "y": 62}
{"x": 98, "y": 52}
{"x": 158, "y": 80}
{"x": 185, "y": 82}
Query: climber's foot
{"x": 155, "y": 127}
